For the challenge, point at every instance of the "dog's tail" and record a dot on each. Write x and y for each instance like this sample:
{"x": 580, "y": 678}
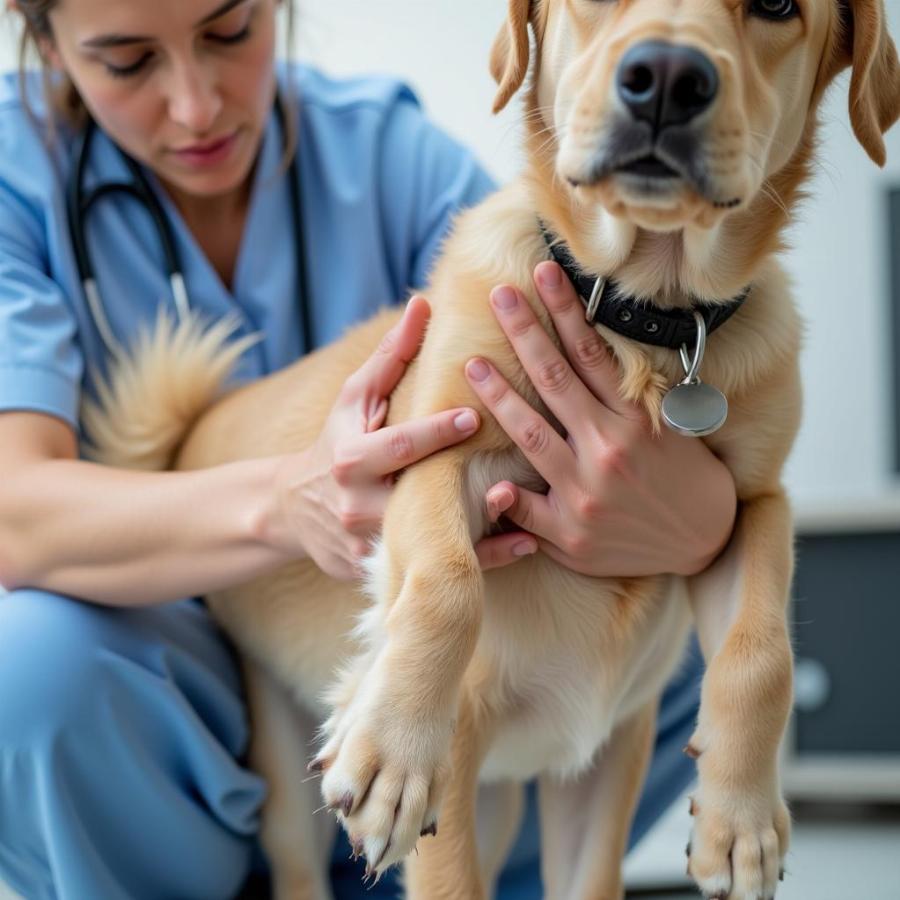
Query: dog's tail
{"x": 151, "y": 397}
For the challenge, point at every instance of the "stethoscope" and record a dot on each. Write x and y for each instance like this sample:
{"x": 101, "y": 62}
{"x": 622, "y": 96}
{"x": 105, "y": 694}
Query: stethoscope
{"x": 79, "y": 204}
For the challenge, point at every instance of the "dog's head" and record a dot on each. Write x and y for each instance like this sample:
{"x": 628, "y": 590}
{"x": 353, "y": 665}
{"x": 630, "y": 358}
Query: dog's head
{"x": 676, "y": 112}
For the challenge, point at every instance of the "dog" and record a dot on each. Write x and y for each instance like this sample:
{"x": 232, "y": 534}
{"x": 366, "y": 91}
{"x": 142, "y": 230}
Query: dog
{"x": 668, "y": 143}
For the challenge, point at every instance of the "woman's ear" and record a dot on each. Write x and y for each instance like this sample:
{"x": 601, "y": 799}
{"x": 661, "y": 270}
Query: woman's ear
{"x": 875, "y": 74}
{"x": 49, "y": 53}
{"x": 510, "y": 53}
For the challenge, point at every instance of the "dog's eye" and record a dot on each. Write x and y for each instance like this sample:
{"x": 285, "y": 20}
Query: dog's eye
{"x": 774, "y": 9}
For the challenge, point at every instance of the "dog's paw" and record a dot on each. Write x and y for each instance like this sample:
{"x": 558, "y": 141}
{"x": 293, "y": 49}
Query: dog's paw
{"x": 738, "y": 844}
{"x": 384, "y": 774}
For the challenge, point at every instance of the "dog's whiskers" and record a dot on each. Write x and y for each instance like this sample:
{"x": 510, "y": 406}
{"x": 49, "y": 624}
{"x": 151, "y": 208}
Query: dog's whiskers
{"x": 769, "y": 191}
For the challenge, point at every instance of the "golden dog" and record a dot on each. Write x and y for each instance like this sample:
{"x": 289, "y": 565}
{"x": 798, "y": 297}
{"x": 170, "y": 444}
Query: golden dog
{"x": 668, "y": 141}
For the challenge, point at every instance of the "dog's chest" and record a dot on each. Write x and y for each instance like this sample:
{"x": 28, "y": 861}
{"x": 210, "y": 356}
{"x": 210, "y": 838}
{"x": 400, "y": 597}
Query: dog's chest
{"x": 557, "y": 717}
{"x": 562, "y": 666}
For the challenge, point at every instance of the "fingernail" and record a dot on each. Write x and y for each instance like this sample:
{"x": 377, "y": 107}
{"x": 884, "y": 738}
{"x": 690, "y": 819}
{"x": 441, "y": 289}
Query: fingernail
{"x": 524, "y": 548}
{"x": 550, "y": 275}
{"x": 478, "y": 370}
{"x": 501, "y": 500}
{"x": 465, "y": 422}
{"x": 505, "y": 298}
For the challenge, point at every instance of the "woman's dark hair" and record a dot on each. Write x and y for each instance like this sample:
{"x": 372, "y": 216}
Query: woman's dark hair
{"x": 63, "y": 99}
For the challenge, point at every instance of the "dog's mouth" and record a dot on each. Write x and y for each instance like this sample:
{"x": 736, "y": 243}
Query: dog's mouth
{"x": 649, "y": 163}
{"x": 652, "y": 168}
{"x": 649, "y": 166}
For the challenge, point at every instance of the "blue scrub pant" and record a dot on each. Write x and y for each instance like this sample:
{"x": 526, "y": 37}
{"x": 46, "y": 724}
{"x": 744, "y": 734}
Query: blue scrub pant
{"x": 122, "y": 733}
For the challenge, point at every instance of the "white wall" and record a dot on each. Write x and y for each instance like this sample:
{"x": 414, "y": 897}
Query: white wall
{"x": 839, "y": 258}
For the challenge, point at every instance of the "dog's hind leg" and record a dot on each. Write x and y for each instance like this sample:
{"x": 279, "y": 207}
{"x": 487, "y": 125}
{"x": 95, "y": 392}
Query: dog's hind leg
{"x": 445, "y": 866}
{"x": 295, "y": 842}
{"x": 497, "y": 820}
{"x": 585, "y": 822}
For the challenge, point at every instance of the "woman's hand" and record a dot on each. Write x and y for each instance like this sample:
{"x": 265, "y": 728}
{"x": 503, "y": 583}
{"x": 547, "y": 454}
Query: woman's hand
{"x": 333, "y": 496}
{"x": 621, "y": 502}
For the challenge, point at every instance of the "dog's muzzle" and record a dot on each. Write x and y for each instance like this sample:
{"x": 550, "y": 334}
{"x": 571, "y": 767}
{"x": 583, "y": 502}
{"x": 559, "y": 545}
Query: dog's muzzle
{"x": 655, "y": 137}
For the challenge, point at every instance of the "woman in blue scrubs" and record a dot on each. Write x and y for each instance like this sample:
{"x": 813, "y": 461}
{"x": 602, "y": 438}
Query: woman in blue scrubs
{"x": 122, "y": 724}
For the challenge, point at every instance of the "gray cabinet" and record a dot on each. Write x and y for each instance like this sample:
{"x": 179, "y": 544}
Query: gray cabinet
{"x": 844, "y": 739}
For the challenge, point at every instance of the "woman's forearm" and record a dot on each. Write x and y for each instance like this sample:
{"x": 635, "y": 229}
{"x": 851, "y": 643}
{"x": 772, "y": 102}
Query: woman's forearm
{"x": 129, "y": 538}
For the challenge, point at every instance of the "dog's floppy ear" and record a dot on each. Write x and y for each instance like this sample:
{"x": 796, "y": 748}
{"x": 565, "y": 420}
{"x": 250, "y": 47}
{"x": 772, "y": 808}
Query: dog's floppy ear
{"x": 875, "y": 74}
{"x": 510, "y": 53}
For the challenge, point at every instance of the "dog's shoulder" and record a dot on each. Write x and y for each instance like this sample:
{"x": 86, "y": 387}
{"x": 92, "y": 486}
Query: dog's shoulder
{"x": 498, "y": 241}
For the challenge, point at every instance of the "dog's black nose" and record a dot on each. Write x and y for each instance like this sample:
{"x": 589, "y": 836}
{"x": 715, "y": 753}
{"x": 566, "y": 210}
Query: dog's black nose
{"x": 666, "y": 84}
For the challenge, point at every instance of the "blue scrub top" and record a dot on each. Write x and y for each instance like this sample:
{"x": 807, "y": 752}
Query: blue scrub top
{"x": 380, "y": 188}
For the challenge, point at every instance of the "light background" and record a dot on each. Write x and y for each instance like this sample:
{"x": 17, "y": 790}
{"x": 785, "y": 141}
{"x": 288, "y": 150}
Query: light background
{"x": 839, "y": 259}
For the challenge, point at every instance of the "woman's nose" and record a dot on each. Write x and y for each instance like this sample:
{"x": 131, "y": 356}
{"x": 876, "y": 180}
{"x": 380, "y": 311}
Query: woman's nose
{"x": 194, "y": 99}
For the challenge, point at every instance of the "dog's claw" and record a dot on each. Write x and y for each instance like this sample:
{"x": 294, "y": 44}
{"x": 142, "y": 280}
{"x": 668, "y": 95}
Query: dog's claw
{"x": 357, "y": 846}
{"x": 431, "y": 829}
{"x": 692, "y": 809}
{"x": 691, "y": 751}
{"x": 345, "y": 804}
{"x": 316, "y": 766}
{"x": 384, "y": 853}
{"x": 687, "y": 850}
{"x": 372, "y": 870}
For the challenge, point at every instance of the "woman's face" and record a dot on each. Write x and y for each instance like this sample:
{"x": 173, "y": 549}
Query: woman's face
{"x": 184, "y": 86}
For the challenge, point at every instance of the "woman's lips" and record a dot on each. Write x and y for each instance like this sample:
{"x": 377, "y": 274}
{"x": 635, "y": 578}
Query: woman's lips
{"x": 208, "y": 154}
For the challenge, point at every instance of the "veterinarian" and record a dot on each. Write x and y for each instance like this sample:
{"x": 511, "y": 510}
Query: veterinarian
{"x": 122, "y": 725}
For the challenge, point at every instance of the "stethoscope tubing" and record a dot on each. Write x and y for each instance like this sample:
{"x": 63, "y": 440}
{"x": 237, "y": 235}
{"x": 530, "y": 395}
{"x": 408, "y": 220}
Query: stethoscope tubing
{"x": 78, "y": 208}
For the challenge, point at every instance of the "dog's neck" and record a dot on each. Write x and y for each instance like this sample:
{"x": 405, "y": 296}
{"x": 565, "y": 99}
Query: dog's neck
{"x": 608, "y": 305}
{"x": 675, "y": 269}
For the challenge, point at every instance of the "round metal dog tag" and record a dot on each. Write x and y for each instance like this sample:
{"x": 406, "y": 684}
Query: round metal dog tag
{"x": 694, "y": 409}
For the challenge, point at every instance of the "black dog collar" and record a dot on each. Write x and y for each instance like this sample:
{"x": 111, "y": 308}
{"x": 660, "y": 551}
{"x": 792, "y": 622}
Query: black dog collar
{"x": 637, "y": 319}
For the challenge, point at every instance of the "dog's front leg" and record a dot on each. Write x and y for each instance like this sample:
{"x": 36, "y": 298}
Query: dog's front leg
{"x": 387, "y": 751}
{"x": 742, "y": 826}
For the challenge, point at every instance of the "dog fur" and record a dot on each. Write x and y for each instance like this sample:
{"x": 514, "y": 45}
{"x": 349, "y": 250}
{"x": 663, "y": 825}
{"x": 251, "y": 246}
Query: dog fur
{"x": 450, "y": 677}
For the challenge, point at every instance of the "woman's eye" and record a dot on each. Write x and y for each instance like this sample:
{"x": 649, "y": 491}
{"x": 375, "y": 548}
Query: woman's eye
{"x": 126, "y": 71}
{"x": 234, "y": 38}
{"x": 774, "y": 9}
